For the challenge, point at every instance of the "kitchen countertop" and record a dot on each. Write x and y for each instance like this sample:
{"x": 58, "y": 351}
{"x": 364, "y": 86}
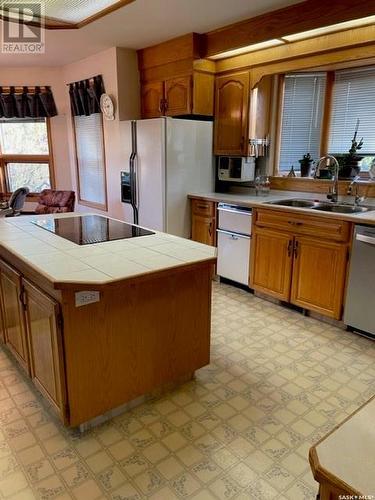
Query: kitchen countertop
{"x": 62, "y": 261}
{"x": 348, "y": 452}
{"x": 251, "y": 200}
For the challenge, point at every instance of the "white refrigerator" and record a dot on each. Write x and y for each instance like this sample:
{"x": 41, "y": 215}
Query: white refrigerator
{"x": 166, "y": 159}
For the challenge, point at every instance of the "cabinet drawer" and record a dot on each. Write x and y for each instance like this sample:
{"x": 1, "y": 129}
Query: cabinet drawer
{"x": 203, "y": 207}
{"x": 329, "y": 229}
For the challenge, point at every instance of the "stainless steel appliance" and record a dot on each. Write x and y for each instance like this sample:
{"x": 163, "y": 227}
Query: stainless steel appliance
{"x": 236, "y": 169}
{"x": 234, "y": 242}
{"x": 359, "y": 306}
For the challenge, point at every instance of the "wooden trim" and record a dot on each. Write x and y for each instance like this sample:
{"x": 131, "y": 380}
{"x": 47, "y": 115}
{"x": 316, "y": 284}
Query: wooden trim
{"x": 309, "y": 185}
{"x": 48, "y": 158}
{"x": 327, "y": 113}
{"x": 97, "y": 206}
{"x": 51, "y": 23}
{"x": 279, "y": 121}
{"x": 296, "y": 18}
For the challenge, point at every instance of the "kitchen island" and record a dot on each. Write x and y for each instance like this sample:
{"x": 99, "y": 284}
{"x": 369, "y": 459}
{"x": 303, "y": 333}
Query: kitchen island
{"x": 98, "y": 325}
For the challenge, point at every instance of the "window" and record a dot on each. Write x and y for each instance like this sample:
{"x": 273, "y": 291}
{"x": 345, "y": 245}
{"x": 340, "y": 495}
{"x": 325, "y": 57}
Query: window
{"x": 91, "y": 160}
{"x": 301, "y": 118}
{"x": 353, "y": 99}
{"x": 25, "y": 154}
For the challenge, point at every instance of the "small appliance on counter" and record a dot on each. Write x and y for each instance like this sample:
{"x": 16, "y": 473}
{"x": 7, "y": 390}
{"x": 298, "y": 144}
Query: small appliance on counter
{"x": 233, "y": 242}
{"x": 236, "y": 169}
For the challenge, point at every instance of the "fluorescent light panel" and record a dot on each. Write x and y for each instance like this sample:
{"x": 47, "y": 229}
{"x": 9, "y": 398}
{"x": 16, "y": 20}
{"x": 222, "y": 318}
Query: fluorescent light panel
{"x": 355, "y": 23}
{"x": 249, "y": 48}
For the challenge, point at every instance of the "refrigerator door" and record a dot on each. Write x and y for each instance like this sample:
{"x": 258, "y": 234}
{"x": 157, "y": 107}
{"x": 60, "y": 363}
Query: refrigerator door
{"x": 125, "y": 209}
{"x": 189, "y": 168}
{"x": 150, "y": 172}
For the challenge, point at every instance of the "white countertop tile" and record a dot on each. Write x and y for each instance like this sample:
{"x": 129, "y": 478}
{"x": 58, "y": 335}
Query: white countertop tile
{"x": 61, "y": 260}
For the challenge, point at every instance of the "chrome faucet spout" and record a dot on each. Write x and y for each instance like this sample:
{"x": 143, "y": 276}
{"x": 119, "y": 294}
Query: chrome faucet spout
{"x": 354, "y": 186}
{"x": 333, "y": 194}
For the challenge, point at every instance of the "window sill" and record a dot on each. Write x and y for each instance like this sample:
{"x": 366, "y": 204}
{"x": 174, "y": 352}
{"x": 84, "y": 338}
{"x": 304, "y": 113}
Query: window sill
{"x": 311, "y": 185}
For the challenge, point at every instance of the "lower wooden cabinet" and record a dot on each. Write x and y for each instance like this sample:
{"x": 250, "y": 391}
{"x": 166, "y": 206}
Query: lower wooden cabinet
{"x": 45, "y": 345}
{"x": 306, "y": 271}
{"x": 271, "y": 263}
{"x": 13, "y": 313}
{"x": 319, "y": 275}
{"x": 2, "y": 329}
{"x": 203, "y": 221}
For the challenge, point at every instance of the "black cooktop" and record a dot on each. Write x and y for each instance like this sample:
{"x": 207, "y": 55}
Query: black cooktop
{"x": 88, "y": 229}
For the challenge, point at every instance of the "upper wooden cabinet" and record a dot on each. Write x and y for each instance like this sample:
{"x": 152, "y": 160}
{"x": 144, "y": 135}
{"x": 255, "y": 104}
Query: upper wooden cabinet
{"x": 14, "y": 321}
{"x": 152, "y": 99}
{"x": 232, "y": 114}
{"x": 174, "y": 80}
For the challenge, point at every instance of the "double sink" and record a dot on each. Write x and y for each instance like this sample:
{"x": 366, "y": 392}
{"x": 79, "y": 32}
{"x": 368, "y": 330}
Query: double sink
{"x": 323, "y": 206}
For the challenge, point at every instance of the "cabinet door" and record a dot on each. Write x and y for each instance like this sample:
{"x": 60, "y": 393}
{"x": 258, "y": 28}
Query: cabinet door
{"x": 231, "y": 114}
{"x": 271, "y": 263}
{"x": 45, "y": 345}
{"x": 203, "y": 230}
{"x": 319, "y": 275}
{"x": 2, "y": 329}
{"x": 152, "y": 99}
{"x": 14, "y": 321}
{"x": 178, "y": 96}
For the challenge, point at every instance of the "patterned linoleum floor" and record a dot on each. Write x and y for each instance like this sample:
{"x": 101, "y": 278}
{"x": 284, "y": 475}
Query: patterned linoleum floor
{"x": 242, "y": 429}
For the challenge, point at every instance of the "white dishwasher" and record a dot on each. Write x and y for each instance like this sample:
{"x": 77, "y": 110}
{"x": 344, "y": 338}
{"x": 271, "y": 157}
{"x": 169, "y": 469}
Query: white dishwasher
{"x": 234, "y": 242}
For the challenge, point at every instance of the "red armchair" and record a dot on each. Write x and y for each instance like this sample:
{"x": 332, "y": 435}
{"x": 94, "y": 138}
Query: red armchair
{"x": 52, "y": 202}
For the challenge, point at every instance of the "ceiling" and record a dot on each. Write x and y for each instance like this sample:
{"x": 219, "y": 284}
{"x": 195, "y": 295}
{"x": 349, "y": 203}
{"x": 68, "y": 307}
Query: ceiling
{"x": 136, "y": 25}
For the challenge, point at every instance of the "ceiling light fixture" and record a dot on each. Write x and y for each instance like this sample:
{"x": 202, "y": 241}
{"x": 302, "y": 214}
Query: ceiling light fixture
{"x": 355, "y": 23}
{"x": 249, "y": 48}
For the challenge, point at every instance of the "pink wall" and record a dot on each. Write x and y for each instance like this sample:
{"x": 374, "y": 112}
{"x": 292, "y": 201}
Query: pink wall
{"x": 110, "y": 64}
{"x": 53, "y": 78}
{"x": 118, "y": 67}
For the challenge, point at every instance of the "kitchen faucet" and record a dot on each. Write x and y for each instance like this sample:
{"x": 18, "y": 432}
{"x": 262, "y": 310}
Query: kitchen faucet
{"x": 355, "y": 184}
{"x": 333, "y": 194}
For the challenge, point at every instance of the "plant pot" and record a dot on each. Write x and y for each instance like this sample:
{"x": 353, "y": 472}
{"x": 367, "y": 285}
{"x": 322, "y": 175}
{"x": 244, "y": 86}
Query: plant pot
{"x": 306, "y": 168}
{"x": 351, "y": 167}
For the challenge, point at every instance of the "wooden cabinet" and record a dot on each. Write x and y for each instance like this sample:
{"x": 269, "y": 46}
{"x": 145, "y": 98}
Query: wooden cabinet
{"x": 152, "y": 99}
{"x": 183, "y": 95}
{"x": 45, "y": 346}
{"x": 295, "y": 259}
{"x": 14, "y": 324}
{"x": 2, "y": 329}
{"x": 231, "y": 114}
{"x": 272, "y": 263}
{"x": 319, "y": 275}
{"x": 203, "y": 225}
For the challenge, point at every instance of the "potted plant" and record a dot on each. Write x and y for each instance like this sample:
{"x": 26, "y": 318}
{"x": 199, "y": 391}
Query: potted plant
{"x": 351, "y": 162}
{"x": 306, "y": 164}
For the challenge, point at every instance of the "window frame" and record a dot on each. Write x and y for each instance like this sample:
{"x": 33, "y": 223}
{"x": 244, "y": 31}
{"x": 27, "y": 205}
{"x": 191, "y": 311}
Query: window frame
{"x": 81, "y": 201}
{"x": 326, "y": 120}
{"x": 20, "y": 158}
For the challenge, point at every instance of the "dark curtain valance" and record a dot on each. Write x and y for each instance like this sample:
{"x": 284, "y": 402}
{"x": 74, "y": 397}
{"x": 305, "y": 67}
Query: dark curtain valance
{"x": 85, "y": 96}
{"x": 27, "y": 102}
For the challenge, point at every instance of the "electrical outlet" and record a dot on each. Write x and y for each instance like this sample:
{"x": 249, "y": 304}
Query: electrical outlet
{"x": 86, "y": 297}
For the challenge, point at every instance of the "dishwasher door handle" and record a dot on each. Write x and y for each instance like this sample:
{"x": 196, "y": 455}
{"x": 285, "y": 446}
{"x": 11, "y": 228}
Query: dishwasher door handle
{"x": 234, "y": 236}
{"x": 365, "y": 239}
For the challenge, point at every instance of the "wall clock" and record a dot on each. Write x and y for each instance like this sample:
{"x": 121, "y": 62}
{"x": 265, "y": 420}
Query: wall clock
{"x": 107, "y": 107}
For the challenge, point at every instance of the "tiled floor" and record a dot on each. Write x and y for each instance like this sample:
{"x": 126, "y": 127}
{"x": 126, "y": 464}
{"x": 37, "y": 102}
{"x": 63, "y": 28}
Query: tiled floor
{"x": 242, "y": 429}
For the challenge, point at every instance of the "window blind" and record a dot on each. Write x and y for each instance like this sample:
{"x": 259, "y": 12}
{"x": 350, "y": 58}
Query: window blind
{"x": 353, "y": 98}
{"x": 302, "y": 118}
{"x": 90, "y": 158}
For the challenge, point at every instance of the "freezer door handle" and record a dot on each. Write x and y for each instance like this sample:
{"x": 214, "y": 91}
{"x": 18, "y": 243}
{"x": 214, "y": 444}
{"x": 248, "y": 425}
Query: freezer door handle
{"x": 234, "y": 236}
{"x": 365, "y": 239}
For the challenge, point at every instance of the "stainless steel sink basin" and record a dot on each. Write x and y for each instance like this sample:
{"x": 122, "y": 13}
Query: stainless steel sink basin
{"x": 341, "y": 209}
{"x": 295, "y": 203}
{"x": 322, "y": 206}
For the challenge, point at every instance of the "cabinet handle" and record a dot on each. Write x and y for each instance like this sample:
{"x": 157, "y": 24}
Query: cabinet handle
{"x": 161, "y": 106}
{"x": 295, "y": 223}
{"x": 290, "y": 247}
{"x": 210, "y": 229}
{"x": 22, "y": 298}
{"x": 296, "y": 249}
{"x": 165, "y": 105}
